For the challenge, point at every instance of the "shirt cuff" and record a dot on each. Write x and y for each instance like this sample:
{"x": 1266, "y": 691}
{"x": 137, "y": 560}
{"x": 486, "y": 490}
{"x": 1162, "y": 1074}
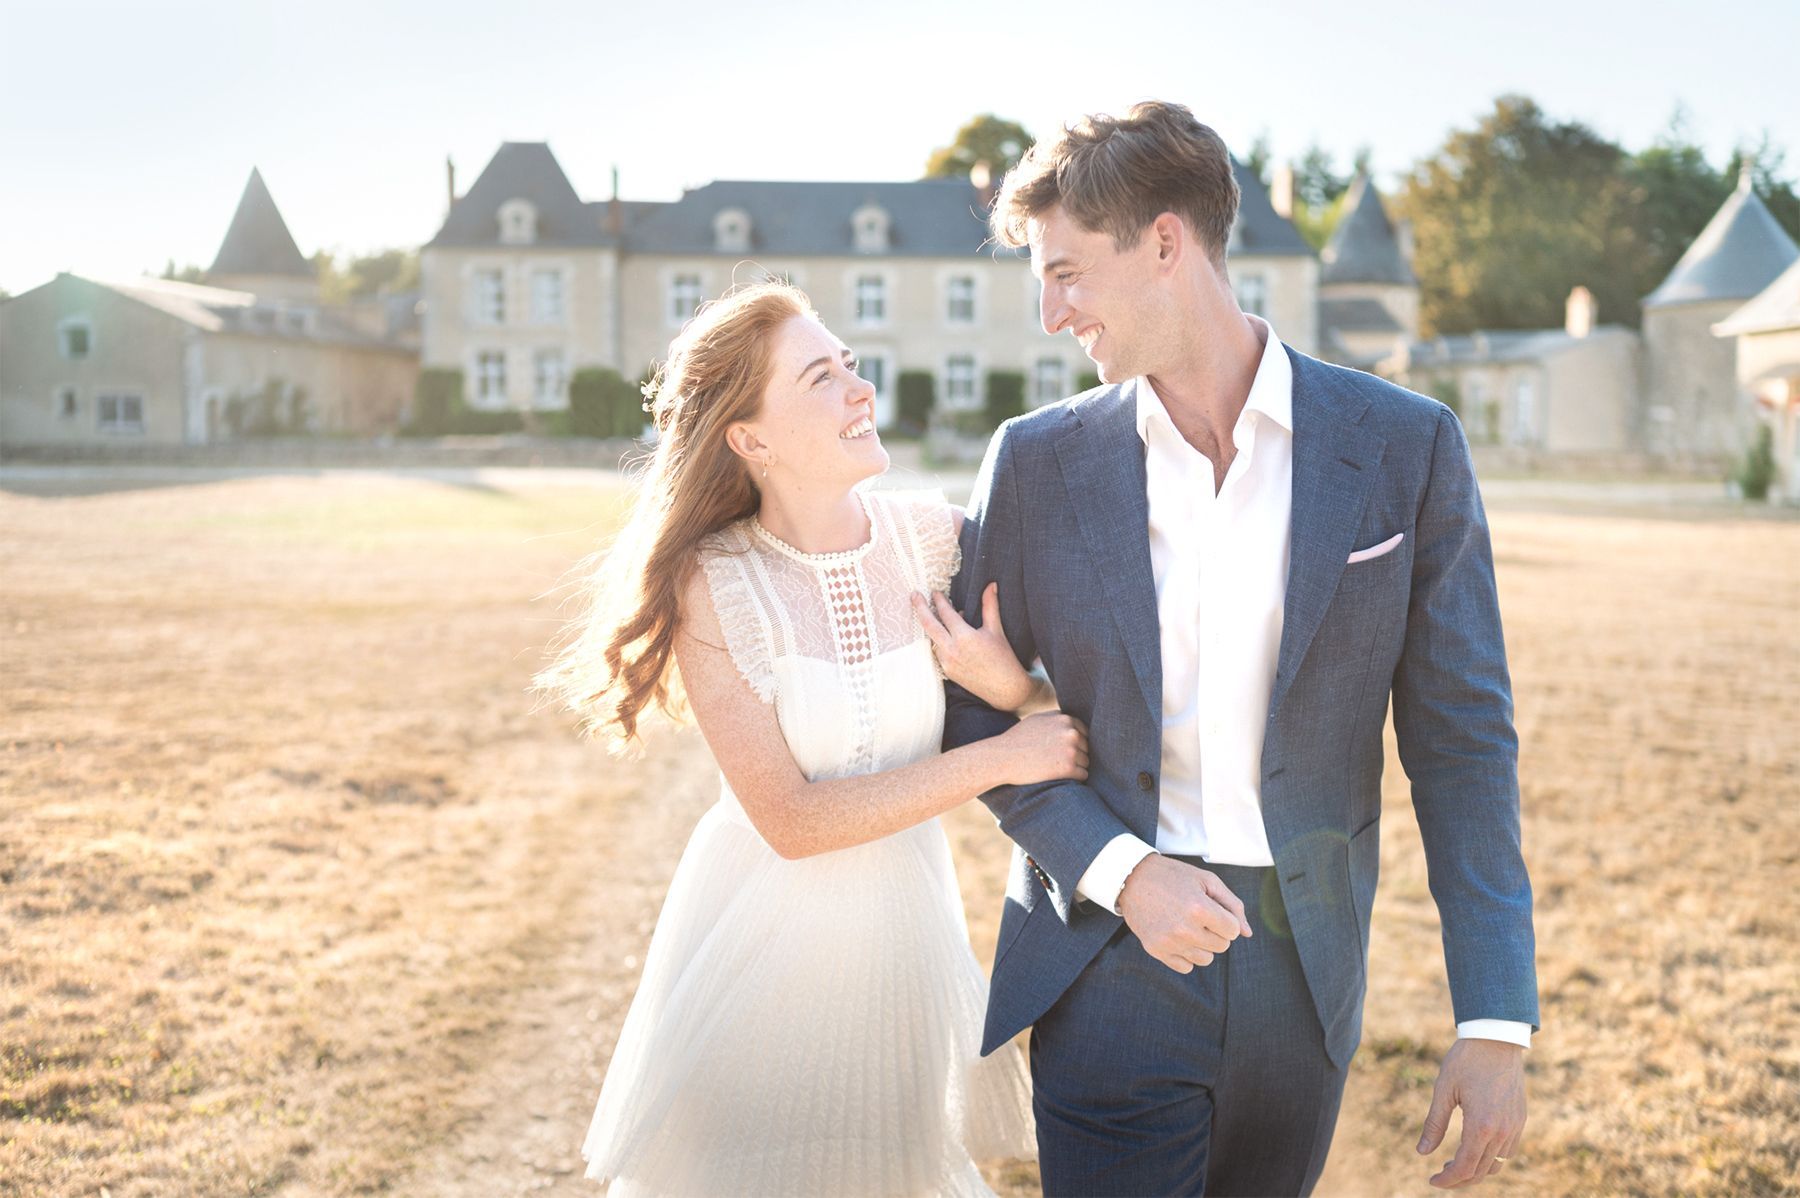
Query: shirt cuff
{"x": 1504, "y": 1030}
{"x": 1106, "y": 874}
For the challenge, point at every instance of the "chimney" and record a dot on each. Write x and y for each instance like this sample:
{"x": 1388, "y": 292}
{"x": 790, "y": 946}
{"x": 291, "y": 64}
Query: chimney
{"x": 1403, "y": 237}
{"x": 450, "y": 176}
{"x": 1578, "y": 319}
{"x": 615, "y": 213}
{"x": 1281, "y": 192}
{"x": 981, "y": 176}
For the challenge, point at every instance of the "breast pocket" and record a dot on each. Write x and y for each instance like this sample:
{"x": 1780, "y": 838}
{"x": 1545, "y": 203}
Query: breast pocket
{"x": 1389, "y": 569}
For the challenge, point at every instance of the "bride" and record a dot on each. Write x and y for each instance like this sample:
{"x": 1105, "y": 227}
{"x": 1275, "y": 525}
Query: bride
{"x": 808, "y": 1021}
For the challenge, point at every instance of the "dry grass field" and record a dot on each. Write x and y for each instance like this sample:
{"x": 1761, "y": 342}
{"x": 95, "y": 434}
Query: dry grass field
{"x": 298, "y": 895}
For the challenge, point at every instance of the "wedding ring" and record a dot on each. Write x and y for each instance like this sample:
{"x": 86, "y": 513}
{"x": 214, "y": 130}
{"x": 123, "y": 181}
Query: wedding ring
{"x": 1500, "y": 1160}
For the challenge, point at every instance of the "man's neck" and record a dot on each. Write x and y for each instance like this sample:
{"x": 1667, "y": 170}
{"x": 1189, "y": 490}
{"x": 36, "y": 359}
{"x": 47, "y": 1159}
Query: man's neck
{"x": 1206, "y": 390}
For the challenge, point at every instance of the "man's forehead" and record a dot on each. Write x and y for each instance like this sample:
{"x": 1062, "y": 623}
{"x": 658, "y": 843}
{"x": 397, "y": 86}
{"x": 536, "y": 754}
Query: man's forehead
{"x": 1047, "y": 237}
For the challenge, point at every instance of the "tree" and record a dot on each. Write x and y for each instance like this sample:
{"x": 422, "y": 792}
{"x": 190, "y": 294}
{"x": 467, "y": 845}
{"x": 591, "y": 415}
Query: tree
{"x": 366, "y": 276}
{"x": 1316, "y": 183}
{"x": 1257, "y": 161}
{"x": 186, "y": 274}
{"x": 1319, "y": 192}
{"x": 1510, "y": 216}
{"x": 987, "y": 138}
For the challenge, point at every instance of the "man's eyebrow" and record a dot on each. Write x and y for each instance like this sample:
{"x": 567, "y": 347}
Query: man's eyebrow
{"x": 1056, "y": 263}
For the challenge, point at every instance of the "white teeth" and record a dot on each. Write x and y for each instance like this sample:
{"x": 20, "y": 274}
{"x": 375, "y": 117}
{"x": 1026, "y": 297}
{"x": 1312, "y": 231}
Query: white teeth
{"x": 861, "y": 428}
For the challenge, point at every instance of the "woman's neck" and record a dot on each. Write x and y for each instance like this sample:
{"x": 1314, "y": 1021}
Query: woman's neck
{"x": 815, "y": 524}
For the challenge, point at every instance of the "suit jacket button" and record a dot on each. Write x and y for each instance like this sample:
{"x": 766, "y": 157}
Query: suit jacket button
{"x": 1145, "y": 782}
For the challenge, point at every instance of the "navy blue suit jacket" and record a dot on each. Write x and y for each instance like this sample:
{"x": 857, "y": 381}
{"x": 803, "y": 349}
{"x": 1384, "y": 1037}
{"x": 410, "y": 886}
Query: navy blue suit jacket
{"x": 1060, "y": 519}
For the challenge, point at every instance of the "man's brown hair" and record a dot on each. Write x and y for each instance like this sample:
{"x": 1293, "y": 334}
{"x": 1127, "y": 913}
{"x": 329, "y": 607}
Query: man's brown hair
{"x": 1117, "y": 174}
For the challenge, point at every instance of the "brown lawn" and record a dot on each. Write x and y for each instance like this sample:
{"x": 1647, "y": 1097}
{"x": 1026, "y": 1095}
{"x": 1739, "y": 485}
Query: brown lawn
{"x": 298, "y": 894}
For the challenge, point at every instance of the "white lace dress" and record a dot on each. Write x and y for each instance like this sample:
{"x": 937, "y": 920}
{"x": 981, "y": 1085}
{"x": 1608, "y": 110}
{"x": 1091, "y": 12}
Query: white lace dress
{"x": 812, "y": 1027}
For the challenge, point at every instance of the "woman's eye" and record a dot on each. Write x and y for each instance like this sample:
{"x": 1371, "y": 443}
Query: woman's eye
{"x": 854, "y": 365}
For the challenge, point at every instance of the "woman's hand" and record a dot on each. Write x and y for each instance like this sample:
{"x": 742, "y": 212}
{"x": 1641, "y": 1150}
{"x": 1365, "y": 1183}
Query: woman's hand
{"x": 978, "y": 659}
{"x": 1044, "y": 748}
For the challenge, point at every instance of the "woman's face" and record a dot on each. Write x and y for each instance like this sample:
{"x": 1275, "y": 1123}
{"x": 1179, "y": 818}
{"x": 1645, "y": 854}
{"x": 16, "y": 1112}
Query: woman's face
{"x": 817, "y": 423}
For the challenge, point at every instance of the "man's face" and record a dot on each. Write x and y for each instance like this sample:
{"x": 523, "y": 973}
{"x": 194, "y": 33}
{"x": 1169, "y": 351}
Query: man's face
{"x": 1108, "y": 298}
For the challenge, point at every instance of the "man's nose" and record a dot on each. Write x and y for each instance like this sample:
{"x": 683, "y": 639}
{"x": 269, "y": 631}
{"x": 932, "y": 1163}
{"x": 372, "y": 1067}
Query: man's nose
{"x": 1053, "y": 314}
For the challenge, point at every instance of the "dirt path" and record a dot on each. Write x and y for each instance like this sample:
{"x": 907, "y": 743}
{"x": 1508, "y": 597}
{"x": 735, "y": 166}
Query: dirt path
{"x": 522, "y": 1117}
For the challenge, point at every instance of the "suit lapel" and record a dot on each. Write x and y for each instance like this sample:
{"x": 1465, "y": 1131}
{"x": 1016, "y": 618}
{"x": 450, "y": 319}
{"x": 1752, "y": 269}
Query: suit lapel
{"x": 1102, "y": 461}
{"x": 1335, "y": 460}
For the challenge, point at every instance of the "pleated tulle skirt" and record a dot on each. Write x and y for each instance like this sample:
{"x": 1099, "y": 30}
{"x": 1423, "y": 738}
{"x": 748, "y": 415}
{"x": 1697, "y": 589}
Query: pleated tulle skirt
{"x": 808, "y": 1027}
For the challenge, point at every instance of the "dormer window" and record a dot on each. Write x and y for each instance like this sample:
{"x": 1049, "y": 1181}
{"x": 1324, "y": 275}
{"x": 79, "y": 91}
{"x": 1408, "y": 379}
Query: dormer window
{"x": 518, "y": 222}
{"x": 731, "y": 231}
{"x": 869, "y": 228}
{"x": 75, "y": 338}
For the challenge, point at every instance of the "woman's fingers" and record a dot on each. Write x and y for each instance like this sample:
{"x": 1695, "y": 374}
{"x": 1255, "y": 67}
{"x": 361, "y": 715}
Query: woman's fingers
{"x": 950, "y": 618}
{"x": 990, "y": 607}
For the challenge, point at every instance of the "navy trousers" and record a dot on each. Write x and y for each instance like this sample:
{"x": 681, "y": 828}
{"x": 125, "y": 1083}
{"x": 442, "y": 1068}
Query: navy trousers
{"x": 1216, "y": 1082}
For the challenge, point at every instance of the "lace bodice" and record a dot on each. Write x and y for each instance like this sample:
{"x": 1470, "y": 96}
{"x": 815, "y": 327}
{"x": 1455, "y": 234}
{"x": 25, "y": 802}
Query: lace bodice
{"x": 837, "y": 626}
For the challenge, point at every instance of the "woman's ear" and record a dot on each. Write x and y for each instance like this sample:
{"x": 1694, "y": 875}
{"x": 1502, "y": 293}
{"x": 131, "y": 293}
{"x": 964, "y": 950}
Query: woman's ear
{"x": 745, "y": 443}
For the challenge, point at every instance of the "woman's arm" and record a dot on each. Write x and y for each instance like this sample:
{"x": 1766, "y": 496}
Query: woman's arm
{"x": 800, "y": 818}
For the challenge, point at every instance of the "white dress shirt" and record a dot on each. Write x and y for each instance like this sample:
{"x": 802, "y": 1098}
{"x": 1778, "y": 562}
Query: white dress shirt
{"x": 1220, "y": 564}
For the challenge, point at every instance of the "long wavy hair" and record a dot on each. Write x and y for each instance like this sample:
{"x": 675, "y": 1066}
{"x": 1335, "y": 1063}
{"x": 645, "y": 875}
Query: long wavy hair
{"x": 617, "y": 658}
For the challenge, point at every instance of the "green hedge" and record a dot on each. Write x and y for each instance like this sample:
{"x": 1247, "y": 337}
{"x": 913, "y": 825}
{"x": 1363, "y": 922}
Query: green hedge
{"x": 604, "y": 403}
{"x": 1087, "y": 380}
{"x": 1004, "y": 396}
{"x": 440, "y": 411}
{"x": 1757, "y": 472}
{"x": 917, "y": 397}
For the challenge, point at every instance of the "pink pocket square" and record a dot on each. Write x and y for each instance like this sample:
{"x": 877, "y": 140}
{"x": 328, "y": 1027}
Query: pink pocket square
{"x": 1387, "y": 546}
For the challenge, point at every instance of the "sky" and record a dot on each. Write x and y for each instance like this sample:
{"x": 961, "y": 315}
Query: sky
{"x": 128, "y": 130}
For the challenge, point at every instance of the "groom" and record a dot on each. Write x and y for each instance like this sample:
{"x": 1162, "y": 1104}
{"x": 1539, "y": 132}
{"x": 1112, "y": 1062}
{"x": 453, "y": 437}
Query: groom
{"x": 1228, "y": 557}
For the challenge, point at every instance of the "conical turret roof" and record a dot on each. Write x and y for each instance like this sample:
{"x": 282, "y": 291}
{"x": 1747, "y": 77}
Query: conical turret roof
{"x": 1740, "y": 252}
{"x": 258, "y": 241}
{"x": 1363, "y": 248}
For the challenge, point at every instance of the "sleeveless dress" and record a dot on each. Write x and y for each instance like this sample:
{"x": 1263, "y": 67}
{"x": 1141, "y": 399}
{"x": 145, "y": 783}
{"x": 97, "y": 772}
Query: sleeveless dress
{"x": 813, "y": 1027}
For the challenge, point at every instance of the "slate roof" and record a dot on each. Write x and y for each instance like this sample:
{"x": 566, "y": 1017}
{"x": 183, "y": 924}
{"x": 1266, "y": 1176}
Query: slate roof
{"x": 1363, "y": 248}
{"x": 1360, "y": 315}
{"x": 258, "y": 241}
{"x": 1776, "y": 307}
{"x": 1504, "y": 345}
{"x": 1739, "y": 253}
{"x": 1260, "y": 229}
{"x": 927, "y": 218}
{"x": 524, "y": 170}
{"x": 220, "y": 310}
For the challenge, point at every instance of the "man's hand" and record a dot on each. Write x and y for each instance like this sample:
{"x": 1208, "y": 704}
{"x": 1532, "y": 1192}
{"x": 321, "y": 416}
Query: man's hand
{"x": 1183, "y": 916}
{"x": 1486, "y": 1078}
